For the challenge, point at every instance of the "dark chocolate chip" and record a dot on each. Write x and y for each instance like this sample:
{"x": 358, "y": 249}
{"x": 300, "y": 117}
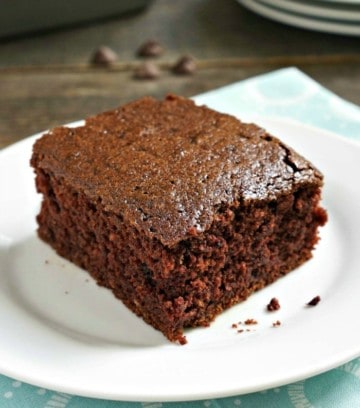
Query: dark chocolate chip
{"x": 314, "y": 301}
{"x": 184, "y": 66}
{"x": 150, "y": 48}
{"x": 103, "y": 56}
{"x": 147, "y": 70}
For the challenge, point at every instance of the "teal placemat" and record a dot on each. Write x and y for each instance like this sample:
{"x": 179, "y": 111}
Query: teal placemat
{"x": 284, "y": 93}
{"x": 288, "y": 93}
{"x": 338, "y": 388}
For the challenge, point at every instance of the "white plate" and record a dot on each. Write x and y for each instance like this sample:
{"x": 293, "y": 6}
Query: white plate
{"x": 315, "y": 9}
{"x": 59, "y": 330}
{"x": 317, "y": 24}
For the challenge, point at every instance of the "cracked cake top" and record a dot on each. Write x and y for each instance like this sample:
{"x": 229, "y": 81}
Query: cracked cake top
{"x": 167, "y": 166}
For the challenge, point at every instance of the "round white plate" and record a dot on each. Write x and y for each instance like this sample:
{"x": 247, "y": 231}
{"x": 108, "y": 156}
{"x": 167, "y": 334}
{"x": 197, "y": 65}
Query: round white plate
{"x": 314, "y": 9}
{"x": 286, "y": 17}
{"x": 59, "y": 330}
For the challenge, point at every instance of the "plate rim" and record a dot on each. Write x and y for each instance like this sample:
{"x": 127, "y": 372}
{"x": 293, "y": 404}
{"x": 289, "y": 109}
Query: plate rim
{"x": 330, "y": 12}
{"x": 302, "y": 22}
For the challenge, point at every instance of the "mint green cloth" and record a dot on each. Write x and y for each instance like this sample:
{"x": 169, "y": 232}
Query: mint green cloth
{"x": 284, "y": 93}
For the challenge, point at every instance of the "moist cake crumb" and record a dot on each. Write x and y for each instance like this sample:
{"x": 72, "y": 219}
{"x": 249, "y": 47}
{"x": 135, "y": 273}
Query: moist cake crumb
{"x": 273, "y": 305}
{"x": 250, "y": 322}
{"x": 277, "y": 323}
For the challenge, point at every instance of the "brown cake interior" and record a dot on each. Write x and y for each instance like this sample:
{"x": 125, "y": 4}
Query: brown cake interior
{"x": 177, "y": 273}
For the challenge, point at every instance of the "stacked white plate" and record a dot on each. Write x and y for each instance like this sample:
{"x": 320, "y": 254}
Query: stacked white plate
{"x": 332, "y": 16}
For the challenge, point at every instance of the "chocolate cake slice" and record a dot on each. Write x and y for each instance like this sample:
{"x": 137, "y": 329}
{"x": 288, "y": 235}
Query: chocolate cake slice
{"x": 180, "y": 210}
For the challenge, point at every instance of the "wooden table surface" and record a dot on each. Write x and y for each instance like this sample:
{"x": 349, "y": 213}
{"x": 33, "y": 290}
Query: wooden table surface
{"x": 46, "y": 79}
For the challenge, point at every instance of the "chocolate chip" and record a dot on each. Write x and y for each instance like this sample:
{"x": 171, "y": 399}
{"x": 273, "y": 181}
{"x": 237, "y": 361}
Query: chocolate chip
{"x": 314, "y": 301}
{"x": 103, "y": 56}
{"x": 150, "y": 48}
{"x": 186, "y": 65}
{"x": 147, "y": 70}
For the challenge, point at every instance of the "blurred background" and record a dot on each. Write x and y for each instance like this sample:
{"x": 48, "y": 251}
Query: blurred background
{"x": 53, "y": 72}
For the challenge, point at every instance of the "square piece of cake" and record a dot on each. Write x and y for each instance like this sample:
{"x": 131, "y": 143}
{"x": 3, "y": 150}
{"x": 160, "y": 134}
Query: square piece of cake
{"x": 180, "y": 210}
